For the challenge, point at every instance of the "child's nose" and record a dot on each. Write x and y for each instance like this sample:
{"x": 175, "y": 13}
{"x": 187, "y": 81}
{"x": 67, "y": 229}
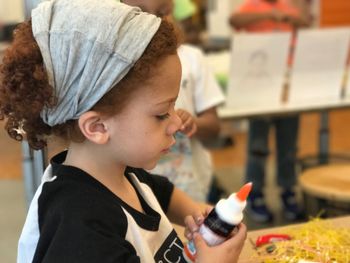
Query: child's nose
{"x": 175, "y": 125}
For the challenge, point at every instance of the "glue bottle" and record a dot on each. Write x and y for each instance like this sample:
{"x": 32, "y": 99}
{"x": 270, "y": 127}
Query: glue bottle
{"x": 221, "y": 221}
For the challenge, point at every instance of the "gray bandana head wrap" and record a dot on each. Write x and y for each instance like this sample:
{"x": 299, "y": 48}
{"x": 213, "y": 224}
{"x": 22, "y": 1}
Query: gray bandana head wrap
{"x": 88, "y": 46}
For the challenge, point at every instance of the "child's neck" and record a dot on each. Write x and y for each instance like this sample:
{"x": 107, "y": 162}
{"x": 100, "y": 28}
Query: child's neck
{"x": 96, "y": 162}
{"x": 99, "y": 164}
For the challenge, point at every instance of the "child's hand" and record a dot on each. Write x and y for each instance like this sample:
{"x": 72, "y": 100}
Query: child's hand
{"x": 192, "y": 223}
{"x": 227, "y": 252}
{"x": 189, "y": 126}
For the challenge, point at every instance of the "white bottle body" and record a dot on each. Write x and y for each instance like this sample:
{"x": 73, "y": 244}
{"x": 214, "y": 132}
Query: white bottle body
{"x": 221, "y": 221}
{"x": 210, "y": 237}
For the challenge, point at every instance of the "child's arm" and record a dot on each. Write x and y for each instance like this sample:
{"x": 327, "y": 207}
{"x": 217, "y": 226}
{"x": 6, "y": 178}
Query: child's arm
{"x": 181, "y": 205}
{"x": 239, "y": 20}
{"x": 208, "y": 124}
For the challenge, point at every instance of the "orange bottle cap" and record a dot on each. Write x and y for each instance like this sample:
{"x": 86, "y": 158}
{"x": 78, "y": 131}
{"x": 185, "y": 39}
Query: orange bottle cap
{"x": 243, "y": 193}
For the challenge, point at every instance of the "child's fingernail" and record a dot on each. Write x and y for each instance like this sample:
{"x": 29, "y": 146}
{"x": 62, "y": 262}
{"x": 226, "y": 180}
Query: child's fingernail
{"x": 195, "y": 229}
{"x": 199, "y": 220}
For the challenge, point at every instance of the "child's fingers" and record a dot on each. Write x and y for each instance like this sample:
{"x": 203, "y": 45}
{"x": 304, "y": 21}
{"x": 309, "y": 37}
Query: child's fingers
{"x": 191, "y": 227}
{"x": 190, "y": 127}
{"x": 199, "y": 217}
{"x": 242, "y": 231}
{"x": 239, "y": 237}
{"x": 183, "y": 115}
{"x": 188, "y": 234}
{"x": 208, "y": 209}
{"x": 199, "y": 242}
{"x": 193, "y": 222}
{"x": 188, "y": 122}
{"x": 192, "y": 131}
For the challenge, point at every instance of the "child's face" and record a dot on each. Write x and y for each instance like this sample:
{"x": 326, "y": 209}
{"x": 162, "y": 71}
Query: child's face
{"x": 144, "y": 130}
{"x": 157, "y": 7}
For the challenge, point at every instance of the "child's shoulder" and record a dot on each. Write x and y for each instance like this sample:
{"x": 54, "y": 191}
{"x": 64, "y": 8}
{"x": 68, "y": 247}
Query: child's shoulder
{"x": 74, "y": 193}
{"x": 192, "y": 59}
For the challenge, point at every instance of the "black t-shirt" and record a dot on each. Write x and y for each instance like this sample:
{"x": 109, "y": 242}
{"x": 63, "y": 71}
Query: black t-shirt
{"x": 75, "y": 218}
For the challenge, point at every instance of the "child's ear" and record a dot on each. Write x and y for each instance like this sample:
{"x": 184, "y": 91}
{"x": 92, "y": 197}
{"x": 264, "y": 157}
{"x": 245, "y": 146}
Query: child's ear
{"x": 93, "y": 128}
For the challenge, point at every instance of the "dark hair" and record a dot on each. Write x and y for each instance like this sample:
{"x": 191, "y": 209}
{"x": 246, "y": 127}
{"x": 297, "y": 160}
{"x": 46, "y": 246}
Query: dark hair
{"x": 25, "y": 90}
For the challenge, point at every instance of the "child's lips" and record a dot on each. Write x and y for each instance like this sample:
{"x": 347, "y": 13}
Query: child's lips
{"x": 166, "y": 150}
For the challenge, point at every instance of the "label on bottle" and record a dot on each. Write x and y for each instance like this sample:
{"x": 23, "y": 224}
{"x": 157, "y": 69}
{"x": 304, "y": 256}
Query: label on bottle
{"x": 214, "y": 231}
{"x": 189, "y": 252}
{"x": 210, "y": 237}
{"x": 217, "y": 225}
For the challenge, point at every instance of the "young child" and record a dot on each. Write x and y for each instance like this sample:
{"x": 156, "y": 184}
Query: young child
{"x": 189, "y": 165}
{"x": 267, "y": 16}
{"x": 105, "y": 76}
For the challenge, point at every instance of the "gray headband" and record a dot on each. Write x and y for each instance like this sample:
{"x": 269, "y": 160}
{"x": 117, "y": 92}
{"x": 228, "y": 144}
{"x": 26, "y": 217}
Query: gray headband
{"x": 88, "y": 46}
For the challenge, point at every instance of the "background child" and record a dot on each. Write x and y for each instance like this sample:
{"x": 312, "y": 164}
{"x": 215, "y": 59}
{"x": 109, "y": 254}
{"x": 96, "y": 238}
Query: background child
{"x": 184, "y": 11}
{"x": 271, "y": 16}
{"x": 104, "y": 76}
{"x": 189, "y": 165}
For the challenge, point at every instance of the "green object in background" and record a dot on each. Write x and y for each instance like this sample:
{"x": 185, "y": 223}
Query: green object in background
{"x": 222, "y": 79}
{"x": 184, "y": 9}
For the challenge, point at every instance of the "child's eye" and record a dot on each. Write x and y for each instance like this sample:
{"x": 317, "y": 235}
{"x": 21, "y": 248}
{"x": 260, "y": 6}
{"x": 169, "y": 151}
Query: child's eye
{"x": 163, "y": 117}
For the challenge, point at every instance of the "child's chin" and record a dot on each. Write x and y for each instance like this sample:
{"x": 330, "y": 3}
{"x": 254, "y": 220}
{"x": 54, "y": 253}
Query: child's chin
{"x": 150, "y": 166}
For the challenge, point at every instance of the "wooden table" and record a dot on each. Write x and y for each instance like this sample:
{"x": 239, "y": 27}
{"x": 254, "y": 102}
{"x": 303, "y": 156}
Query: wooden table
{"x": 326, "y": 188}
{"x": 330, "y": 182}
{"x": 282, "y": 109}
{"x": 248, "y": 249}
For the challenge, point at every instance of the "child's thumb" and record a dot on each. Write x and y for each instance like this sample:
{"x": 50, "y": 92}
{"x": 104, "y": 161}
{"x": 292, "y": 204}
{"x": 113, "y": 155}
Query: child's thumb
{"x": 199, "y": 242}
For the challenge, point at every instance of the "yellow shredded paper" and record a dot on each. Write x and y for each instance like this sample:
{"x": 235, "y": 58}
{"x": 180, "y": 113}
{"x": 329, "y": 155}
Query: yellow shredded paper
{"x": 315, "y": 241}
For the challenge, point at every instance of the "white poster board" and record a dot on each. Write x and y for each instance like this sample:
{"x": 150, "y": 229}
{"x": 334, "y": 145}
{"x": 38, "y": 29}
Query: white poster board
{"x": 257, "y": 70}
{"x": 319, "y": 65}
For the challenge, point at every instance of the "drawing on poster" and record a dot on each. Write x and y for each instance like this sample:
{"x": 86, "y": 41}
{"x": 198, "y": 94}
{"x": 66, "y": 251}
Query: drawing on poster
{"x": 257, "y": 70}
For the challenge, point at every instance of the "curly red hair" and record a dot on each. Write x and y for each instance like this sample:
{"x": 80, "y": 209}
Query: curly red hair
{"x": 25, "y": 90}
